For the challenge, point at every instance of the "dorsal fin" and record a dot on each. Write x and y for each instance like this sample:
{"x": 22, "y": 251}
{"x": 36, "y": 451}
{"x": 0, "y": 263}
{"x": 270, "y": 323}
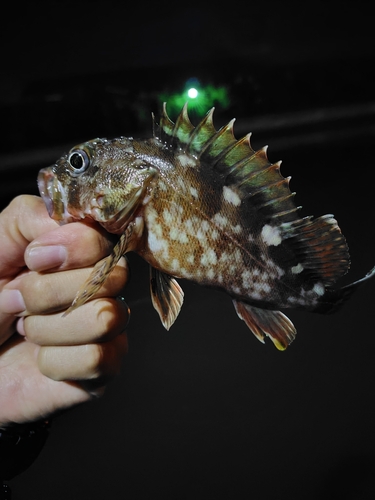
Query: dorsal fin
{"x": 242, "y": 168}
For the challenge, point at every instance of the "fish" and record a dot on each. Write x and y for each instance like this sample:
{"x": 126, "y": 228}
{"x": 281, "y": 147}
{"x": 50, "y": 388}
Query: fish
{"x": 198, "y": 204}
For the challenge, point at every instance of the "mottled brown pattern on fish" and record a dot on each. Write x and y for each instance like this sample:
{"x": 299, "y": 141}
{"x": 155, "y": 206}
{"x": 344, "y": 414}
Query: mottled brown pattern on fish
{"x": 194, "y": 231}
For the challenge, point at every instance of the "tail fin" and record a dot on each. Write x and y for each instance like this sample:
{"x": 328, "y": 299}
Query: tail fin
{"x": 332, "y": 300}
{"x": 320, "y": 246}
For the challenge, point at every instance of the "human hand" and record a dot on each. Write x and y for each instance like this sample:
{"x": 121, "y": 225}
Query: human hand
{"x": 48, "y": 362}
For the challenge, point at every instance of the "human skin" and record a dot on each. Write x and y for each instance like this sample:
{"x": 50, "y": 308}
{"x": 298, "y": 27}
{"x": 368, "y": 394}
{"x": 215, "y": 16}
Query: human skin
{"x": 48, "y": 362}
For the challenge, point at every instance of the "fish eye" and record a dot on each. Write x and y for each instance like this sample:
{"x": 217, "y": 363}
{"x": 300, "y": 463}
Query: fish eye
{"x": 79, "y": 161}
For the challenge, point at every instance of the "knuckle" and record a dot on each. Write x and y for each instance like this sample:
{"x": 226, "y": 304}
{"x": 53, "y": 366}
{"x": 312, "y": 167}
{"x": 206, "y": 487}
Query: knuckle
{"x": 117, "y": 279}
{"x": 104, "y": 360}
{"x": 94, "y": 360}
{"x": 109, "y": 317}
{"x": 46, "y": 364}
{"x": 32, "y": 332}
{"x": 18, "y": 202}
{"x": 40, "y": 292}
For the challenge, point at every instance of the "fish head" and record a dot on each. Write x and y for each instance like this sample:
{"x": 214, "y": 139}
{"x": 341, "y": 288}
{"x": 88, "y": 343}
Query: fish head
{"x": 99, "y": 179}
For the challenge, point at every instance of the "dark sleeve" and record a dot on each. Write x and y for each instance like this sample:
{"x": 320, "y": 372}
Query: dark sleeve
{"x": 19, "y": 447}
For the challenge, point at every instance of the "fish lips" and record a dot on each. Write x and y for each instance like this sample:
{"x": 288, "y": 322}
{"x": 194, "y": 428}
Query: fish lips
{"x": 53, "y": 196}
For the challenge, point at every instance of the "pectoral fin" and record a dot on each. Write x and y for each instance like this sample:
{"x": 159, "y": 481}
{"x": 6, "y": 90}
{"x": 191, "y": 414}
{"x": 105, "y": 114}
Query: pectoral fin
{"x": 167, "y": 296}
{"x": 264, "y": 322}
{"x": 100, "y": 273}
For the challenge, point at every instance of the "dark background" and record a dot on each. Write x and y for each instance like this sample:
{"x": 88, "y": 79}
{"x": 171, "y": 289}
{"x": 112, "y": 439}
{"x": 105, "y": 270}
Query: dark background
{"x": 205, "y": 411}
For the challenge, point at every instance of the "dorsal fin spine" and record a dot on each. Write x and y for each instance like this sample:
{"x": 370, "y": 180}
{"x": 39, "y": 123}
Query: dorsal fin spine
{"x": 228, "y": 156}
{"x": 245, "y": 167}
{"x": 201, "y": 134}
{"x": 182, "y": 128}
{"x": 286, "y": 215}
{"x": 223, "y": 138}
{"x": 260, "y": 177}
{"x": 283, "y": 182}
{"x": 233, "y": 154}
{"x": 155, "y": 126}
{"x": 166, "y": 127}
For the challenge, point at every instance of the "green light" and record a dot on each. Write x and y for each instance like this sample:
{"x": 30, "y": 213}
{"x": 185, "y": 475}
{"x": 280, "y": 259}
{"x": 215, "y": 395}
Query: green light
{"x": 200, "y": 98}
{"x": 192, "y": 93}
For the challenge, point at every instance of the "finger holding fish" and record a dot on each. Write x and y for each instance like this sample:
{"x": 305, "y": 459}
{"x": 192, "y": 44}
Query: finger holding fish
{"x": 45, "y": 293}
{"x": 68, "y": 247}
{"x": 97, "y": 321}
{"x": 90, "y": 366}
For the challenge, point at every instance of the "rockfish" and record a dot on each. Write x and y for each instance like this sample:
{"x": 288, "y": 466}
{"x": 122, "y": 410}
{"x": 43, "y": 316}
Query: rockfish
{"x": 198, "y": 204}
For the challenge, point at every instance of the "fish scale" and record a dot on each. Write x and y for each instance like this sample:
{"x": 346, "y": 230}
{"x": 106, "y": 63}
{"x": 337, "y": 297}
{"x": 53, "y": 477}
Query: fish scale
{"x": 197, "y": 203}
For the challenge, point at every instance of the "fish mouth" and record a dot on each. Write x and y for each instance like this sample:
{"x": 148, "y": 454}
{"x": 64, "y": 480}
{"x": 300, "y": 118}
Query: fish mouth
{"x": 54, "y": 196}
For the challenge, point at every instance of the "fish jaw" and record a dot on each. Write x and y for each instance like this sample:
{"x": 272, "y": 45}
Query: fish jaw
{"x": 54, "y": 196}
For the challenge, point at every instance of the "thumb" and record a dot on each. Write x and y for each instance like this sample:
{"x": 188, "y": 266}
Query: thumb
{"x": 24, "y": 219}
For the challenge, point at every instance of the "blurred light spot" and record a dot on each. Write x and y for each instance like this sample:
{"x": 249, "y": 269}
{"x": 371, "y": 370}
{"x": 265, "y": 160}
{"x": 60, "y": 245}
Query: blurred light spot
{"x": 192, "y": 93}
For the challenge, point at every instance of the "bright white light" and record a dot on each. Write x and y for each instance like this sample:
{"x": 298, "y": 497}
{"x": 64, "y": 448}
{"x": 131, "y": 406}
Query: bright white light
{"x": 192, "y": 93}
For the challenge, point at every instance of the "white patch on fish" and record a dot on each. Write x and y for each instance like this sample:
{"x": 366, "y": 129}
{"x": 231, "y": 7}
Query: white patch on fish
{"x": 319, "y": 289}
{"x": 297, "y": 269}
{"x": 231, "y": 196}
{"x": 186, "y": 161}
{"x": 271, "y": 235}
{"x": 193, "y": 192}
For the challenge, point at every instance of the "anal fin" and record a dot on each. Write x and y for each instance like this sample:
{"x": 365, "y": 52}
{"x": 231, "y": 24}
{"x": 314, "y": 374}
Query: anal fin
{"x": 167, "y": 296}
{"x": 264, "y": 322}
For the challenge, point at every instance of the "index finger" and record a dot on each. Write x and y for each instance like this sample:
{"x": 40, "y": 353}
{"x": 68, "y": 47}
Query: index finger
{"x": 71, "y": 246}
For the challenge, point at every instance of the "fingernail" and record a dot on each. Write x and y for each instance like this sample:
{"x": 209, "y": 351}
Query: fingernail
{"x": 41, "y": 258}
{"x": 21, "y": 327}
{"x": 11, "y": 302}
